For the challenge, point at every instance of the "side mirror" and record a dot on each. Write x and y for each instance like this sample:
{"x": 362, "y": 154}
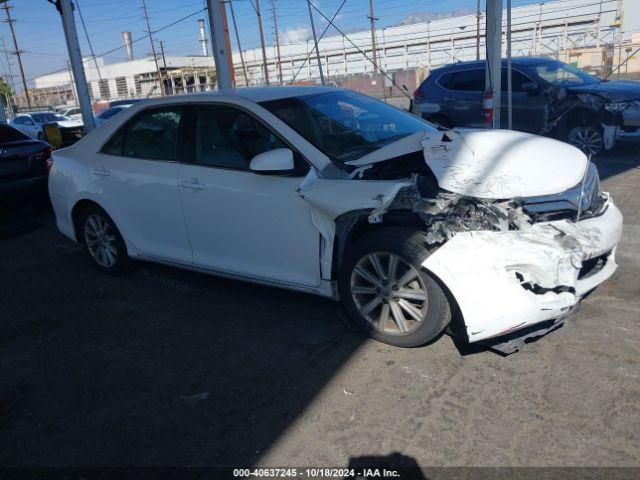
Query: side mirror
{"x": 530, "y": 88}
{"x": 273, "y": 161}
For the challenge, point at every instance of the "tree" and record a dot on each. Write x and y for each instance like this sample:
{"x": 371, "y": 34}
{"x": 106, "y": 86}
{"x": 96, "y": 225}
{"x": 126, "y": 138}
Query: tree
{"x": 6, "y": 92}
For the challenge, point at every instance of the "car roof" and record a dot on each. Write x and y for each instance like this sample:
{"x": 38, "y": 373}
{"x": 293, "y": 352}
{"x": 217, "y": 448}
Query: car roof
{"x": 254, "y": 94}
{"x": 481, "y": 63}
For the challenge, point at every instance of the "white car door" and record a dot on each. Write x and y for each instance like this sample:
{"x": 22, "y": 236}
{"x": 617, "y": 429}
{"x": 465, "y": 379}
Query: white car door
{"x": 135, "y": 174}
{"x": 26, "y": 125}
{"x": 242, "y": 222}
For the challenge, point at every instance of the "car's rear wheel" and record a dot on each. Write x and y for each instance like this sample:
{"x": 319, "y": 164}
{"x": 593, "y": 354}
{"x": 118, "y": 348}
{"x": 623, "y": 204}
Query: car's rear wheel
{"x": 587, "y": 138}
{"x": 388, "y": 294}
{"x": 103, "y": 241}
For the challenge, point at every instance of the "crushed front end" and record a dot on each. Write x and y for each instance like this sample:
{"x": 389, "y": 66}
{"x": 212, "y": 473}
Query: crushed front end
{"x": 517, "y": 268}
{"x": 514, "y": 264}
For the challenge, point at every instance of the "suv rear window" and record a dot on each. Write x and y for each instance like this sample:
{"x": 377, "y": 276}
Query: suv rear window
{"x": 464, "y": 80}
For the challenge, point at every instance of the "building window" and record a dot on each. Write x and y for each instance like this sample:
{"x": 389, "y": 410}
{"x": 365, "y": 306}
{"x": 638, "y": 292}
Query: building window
{"x": 121, "y": 86}
{"x": 103, "y": 85}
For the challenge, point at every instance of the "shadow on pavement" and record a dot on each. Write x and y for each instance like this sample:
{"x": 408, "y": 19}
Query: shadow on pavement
{"x": 162, "y": 367}
{"x": 619, "y": 160}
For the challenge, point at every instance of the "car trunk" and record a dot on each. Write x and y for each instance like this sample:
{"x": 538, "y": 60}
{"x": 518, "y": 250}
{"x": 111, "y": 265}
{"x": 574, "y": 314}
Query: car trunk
{"x": 23, "y": 159}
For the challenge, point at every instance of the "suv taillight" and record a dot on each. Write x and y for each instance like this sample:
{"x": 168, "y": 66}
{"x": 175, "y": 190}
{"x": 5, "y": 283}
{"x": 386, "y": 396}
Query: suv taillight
{"x": 417, "y": 94}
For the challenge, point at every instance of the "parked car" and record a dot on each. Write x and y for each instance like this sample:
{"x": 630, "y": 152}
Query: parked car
{"x": 73, "y": 113}
{"x": 549, "y": 97}
{"x": 24, "y": 165}
{"x": 109, "y": 113}
{"x": 33, "y": 124}
{"x": 331, "y": 192}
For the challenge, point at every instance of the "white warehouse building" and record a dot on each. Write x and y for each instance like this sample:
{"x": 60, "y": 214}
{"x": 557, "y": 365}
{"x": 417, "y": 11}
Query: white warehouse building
{"x": 555, "y": 28}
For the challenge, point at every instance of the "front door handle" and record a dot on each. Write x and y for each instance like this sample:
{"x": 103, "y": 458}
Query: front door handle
{"x": 101, "y": 171}
{"x": 193, "y": 184}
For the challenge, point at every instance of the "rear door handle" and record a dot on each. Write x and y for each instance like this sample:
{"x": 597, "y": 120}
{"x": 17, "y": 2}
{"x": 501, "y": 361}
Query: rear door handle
{"x": 101, "y": 171}
{"x": 193, "y": 184}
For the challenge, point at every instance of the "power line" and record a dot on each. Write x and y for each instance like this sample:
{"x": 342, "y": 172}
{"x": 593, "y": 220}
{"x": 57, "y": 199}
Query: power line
{"x": 358, "y": 48}
{"x": 235, "y": 28}
{"x": 86, "y": 34}
{"x": 322, "y": 35}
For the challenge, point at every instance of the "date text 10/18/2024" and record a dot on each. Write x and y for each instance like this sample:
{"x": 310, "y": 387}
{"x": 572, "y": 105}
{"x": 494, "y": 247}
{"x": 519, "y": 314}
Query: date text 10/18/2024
{"x": 315, "y": 473}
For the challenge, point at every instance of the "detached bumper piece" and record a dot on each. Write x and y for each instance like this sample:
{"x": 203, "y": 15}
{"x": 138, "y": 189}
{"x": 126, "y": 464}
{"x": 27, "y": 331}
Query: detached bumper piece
{"x": 515, "y": 285}
{"x": 513, "y": 342}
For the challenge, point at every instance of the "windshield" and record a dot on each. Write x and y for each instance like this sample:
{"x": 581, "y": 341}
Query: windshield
{"x": 562, "y": 74}
{"x": 345, "y": 125}
{"x": 44, "y": 117}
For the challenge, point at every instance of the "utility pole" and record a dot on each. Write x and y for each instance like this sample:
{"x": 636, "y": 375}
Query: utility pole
{"x": 235, "y": 28}
{"x": 219, "y": 44}
{"x": 315, "y": 42}
{"x": 227, "y": 42}
{"x": 72, "y": 83}
{"x": 494, "y": 57}
{"x": 256, "y": 7}
{"x": 153, "y": 47}
{"x": 478, "y": 16}
{"x": 164, "y": 63}
{"x": 75, "y": 58}
{"x": 17, "y": 50}
{"x": 373, "y": 37}
{"x": 275, "y": 28}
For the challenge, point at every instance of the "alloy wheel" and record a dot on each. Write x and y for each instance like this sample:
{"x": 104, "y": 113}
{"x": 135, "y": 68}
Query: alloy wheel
{"x": 100, "y": 239}
{"x": 587, "y": 139}
{"x": 389, "y": 293}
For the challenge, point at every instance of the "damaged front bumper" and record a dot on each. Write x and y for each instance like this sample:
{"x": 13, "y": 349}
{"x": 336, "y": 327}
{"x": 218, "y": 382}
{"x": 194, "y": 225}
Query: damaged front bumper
{"x": 505, "y": 281}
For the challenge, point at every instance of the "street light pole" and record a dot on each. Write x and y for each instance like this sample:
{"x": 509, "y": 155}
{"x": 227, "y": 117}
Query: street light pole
{"x": 75, "y": 59}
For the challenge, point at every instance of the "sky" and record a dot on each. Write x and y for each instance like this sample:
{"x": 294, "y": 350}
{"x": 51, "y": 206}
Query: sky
{"x": 39, "y": 29}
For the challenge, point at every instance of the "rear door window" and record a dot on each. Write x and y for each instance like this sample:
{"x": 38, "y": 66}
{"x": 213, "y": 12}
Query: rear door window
{"x": 151, "y": 135}
{"x": 469, "y": 80}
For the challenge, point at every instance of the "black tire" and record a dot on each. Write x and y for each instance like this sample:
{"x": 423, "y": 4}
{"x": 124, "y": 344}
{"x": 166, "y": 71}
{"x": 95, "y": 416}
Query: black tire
{"x": 122, "y": 263}
{"x": 408, "y": 245}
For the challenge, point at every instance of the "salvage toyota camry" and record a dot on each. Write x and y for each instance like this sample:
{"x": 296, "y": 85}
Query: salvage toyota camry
{"x": 331, "y": 192}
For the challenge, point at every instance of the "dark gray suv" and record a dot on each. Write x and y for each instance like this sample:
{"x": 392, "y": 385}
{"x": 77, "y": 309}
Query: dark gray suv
{"x": 549, "y": 98}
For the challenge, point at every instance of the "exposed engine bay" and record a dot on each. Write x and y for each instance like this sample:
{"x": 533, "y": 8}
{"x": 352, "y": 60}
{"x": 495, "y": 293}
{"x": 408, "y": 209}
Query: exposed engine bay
{"x": 445, "y": 213}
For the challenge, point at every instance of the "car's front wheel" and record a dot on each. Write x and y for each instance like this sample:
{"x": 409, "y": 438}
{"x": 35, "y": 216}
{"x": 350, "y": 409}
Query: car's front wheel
{"x": 103, "y": 241}
{"x": 587, "y": 138}
{"x": 385, "y": 290}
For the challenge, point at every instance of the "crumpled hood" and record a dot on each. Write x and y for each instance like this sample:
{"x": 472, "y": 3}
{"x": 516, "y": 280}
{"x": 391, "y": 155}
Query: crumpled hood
{"x": 613, "y": 90}
{"x": 502, "y": 164}
{"x": 491, "y": 164}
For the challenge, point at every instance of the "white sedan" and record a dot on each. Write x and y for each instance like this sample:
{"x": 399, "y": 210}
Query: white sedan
{"x": 327, "y": 191}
